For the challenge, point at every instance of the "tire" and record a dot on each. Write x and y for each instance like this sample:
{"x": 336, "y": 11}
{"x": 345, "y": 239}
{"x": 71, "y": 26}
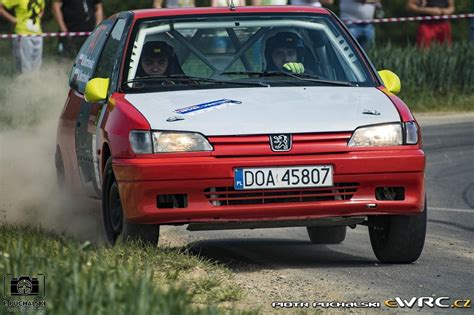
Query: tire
{"x": 117, "y": 228}
{"x": 327, "y": 234}
{"x": 398, "y": 239}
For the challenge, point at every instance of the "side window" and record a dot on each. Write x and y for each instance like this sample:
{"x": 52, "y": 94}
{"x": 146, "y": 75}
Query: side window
{"x": 108, "y": 62}
{"x": 86, "y": 59}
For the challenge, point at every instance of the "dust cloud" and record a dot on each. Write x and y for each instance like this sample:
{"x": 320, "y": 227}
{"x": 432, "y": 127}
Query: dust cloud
{"x": 30, "y": 106}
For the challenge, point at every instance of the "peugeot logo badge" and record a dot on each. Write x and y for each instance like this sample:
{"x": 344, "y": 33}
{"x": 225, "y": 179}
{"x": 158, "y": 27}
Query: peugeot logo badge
{"x": 280, "y": 143}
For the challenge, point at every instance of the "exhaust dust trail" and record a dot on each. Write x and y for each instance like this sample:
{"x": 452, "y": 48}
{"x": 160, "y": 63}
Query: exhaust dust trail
{"x": 30, "y": 106}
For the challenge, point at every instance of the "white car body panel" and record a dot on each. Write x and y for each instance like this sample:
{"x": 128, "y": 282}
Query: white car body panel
{"x": 263, "y": 110}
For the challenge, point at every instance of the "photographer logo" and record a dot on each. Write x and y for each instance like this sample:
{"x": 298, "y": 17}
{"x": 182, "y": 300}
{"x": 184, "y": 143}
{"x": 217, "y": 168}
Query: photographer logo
{"x": 24, "y": 293}
{"x": 24, "y": 286}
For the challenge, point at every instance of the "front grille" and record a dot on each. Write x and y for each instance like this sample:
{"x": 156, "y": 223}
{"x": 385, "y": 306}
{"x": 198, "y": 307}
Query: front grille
{"x": 259, "y": 145}
{"x": 228, "y": 196}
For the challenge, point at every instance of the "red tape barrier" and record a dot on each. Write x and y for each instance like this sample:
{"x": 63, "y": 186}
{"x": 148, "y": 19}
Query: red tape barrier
{"x": 62, "y": 34}
{"x": 384, "y": 20}
{"x": 413, "y": 19}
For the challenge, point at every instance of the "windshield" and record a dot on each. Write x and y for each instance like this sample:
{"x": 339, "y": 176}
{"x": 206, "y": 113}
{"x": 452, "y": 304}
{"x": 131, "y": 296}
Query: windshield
{"x": 236, "y": 51}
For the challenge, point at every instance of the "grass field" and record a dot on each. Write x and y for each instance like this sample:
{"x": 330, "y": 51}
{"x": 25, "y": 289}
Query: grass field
{"x": 129, "y": 279}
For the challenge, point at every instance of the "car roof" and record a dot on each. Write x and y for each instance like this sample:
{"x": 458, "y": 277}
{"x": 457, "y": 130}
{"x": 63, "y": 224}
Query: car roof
{"x": 149, "y": 13}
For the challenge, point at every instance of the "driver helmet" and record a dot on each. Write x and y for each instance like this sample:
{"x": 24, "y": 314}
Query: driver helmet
{"x": 284, "y": 39}
{"x": 160, "y": 48}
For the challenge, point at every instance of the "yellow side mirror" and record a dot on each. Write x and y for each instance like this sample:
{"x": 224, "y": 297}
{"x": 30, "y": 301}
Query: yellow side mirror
{"x": 391, "y": 81}
{"x": 96, "y": 90}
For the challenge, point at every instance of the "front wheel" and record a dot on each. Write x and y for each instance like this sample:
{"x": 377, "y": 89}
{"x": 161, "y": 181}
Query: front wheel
{"x": 116, "y": 225}
{"x": 398, "y": 239}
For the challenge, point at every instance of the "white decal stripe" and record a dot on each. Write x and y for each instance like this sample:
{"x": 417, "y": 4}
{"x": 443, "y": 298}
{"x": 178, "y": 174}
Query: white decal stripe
{"x": 95, "y": 159}
{"x": 95, "y": 147}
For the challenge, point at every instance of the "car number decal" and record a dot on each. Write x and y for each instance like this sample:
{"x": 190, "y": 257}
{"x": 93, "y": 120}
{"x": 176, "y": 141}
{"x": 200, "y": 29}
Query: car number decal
{"x": 205, "y": 107}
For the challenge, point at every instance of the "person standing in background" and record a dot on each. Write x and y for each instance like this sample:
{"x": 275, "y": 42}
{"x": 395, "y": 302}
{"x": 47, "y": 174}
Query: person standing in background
{"x": 76, "y": 16}
{"x": 351, "y": 10}
{"x": 269, "y": 2}
{"x": 471, "y": 22}
{"x": 429, "y": 31}
{"x": 221, "y": 40}
{"x": 226, "y": 3}
{"x": 27, "y": 51}
{"x": 158, "y": 4}
{"x": 315, "y": 3}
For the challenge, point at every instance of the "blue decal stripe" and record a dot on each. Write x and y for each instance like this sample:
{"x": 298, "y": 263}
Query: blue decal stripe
{"x": 190, "y": 109}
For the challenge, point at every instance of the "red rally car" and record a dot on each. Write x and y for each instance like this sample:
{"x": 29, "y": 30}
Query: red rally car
{"x": 247, "y": 117}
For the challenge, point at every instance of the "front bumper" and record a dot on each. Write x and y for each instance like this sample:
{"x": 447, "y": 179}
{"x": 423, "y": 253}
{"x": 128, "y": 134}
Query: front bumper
{"x": 142, "y": 179}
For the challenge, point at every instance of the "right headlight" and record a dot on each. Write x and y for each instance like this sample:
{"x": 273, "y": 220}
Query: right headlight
{"x": 385, "y": 135}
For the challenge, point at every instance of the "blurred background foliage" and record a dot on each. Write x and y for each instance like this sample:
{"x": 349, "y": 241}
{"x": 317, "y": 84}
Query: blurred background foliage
{"x": 436, "y": 79}
{"x": 397, "y": 33}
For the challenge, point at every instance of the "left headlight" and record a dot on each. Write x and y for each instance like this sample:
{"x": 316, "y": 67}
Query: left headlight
{"x": 146, "y": 142}
{"x": 385, "y": 135}
{"x": 179, "y": 142}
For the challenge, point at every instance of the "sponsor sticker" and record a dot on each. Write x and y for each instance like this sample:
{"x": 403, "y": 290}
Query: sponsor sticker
{"x": 86, "y": 62}
{"x": 206, "y": 107}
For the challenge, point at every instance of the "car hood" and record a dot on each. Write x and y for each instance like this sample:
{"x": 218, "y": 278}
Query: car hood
{"x": 246, "y": 111}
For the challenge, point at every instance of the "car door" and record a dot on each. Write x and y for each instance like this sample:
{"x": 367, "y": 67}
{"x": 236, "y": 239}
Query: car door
{"x": 83, "y": 71}
{"x": 71, "y": 151}
{"x": 91, "y": 114}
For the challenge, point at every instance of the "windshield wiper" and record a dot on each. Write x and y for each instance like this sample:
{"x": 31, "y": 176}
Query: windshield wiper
{"x": 185, "y": 78}
{"x": 303, "y": 76}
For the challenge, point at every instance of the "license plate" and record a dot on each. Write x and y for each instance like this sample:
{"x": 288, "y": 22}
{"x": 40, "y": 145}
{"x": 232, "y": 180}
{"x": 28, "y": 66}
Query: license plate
{"x": 283, "y": 177}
